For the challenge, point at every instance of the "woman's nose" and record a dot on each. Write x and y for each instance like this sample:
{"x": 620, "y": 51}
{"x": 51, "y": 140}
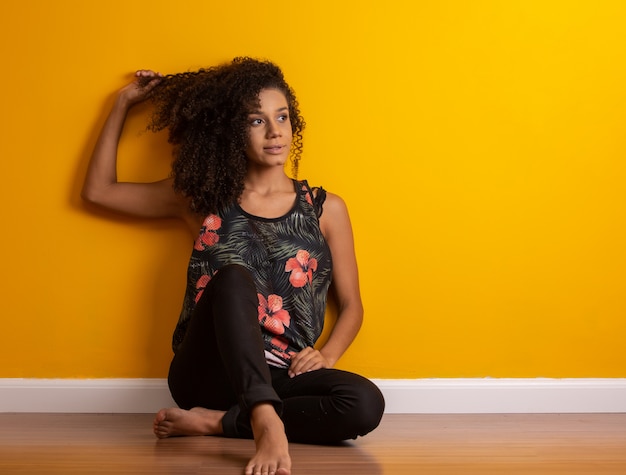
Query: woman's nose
{"x": 273, "y": 130}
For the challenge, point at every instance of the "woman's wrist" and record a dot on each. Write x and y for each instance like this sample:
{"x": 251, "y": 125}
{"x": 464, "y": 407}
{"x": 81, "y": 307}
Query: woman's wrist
{"x": 122, "y": 103}
{"x": 330, "y": 359}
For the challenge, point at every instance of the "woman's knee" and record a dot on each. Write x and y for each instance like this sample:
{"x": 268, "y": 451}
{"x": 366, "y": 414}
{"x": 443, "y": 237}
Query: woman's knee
{"x": 233, "y": 276}
{"x": 232, "y": 282}
{"x": 369, "y": 406}
{"x": 359, "y": 402}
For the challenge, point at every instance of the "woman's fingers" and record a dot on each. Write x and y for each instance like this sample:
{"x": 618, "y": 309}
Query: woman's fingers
{"x": 308, "y": 359}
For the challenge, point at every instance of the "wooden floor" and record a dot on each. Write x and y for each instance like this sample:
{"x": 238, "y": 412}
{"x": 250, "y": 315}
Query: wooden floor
{"x": 403, "y": 444}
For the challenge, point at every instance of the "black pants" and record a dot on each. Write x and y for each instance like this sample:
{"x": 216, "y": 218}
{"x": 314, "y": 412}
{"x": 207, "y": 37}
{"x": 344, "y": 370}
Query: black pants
{"x": 221, "y": 365}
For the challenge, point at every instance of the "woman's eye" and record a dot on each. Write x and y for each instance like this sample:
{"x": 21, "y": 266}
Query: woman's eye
{"x": 256, "y": 121}
{"x": 283, "y": 118}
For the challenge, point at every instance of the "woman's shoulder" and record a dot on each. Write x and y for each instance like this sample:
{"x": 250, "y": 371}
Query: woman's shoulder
{"x": 315, "y": 196}
{"x": 335, "y": 219}
{"x": 334, "y": 203}
{"x": 305, "y": 187}
{"x": 322, "y": 195}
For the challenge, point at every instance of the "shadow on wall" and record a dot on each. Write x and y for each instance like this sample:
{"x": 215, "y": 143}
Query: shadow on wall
{"x": 166, "y": 272}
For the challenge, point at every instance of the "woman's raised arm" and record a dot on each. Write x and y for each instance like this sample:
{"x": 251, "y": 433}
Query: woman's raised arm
{"x": 101, "y": 187}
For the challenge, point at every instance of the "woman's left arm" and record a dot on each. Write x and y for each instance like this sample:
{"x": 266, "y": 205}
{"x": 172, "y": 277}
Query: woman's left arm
{"x": 336, "y": 227}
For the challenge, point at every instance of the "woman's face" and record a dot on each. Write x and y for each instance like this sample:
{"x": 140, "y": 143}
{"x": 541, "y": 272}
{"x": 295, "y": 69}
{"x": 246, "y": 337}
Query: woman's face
{"x": 269, "y": 130}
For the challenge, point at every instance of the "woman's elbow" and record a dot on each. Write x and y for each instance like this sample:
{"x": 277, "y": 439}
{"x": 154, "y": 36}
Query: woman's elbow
{"x": 89, "y": 195}
{"x": 94, "y": 194}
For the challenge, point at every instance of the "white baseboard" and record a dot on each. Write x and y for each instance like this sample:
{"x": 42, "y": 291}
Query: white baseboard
{"x": 484, "y": 396}
{"x": 426, "y": 396}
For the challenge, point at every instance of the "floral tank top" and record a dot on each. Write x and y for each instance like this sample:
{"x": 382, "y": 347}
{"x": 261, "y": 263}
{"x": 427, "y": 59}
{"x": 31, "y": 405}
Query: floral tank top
{"x": 289, "y": 260}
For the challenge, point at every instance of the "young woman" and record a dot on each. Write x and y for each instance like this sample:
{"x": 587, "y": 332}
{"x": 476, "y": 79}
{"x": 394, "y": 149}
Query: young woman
{"x": 266, "y": 249}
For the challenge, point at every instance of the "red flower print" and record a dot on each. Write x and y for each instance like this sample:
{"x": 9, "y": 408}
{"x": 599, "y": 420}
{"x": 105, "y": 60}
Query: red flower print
{"x": 283, "y": 355}
{"x": 203, "y": 281}
{"x": 272, "y": 315}
{"x": 301, "y": 267}
{"x": 208, "y": 236}
{"x": 279, "y": 342}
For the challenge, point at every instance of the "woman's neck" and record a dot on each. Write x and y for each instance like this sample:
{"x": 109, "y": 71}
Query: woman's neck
{"x": 268, "y": 197}
{"x": 267, "y": 182}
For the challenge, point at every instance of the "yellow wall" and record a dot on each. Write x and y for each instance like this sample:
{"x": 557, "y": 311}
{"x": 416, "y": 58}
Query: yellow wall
{"x": 480, "y": 146}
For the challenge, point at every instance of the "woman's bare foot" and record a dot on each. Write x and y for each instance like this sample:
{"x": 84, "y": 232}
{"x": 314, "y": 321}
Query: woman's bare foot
{"x": 272, "y": 450}
{"x": 174, "y": 422}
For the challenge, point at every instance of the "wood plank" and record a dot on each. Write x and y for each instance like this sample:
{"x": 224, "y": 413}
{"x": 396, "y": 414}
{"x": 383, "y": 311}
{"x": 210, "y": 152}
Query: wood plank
{"x": 403, "y": 444}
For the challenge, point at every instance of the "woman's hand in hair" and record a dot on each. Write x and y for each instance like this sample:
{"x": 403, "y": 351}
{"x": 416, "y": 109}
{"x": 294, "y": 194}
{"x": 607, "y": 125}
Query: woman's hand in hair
{"x": 139, "y": 89}
{"x": 146, "y": 200}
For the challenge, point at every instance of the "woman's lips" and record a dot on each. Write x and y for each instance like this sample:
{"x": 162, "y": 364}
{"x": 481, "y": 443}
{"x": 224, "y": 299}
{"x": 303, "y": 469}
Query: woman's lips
{"x": 274, "y": 149}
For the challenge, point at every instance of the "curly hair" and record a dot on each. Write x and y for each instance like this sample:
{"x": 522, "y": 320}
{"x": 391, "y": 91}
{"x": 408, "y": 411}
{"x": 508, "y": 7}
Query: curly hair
{"x": 206, "y": 114}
